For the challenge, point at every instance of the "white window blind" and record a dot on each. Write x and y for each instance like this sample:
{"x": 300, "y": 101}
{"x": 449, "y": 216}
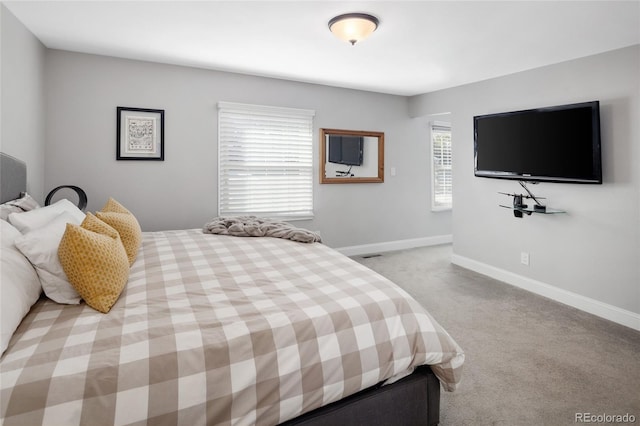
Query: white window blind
{"x": 442, "y": 183}
{"x": 265, "y": 161}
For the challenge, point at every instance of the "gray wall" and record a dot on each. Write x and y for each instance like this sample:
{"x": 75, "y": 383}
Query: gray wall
{"x": 22, "y": 133}
{"x": 594, "y": 249}
{"x": 83, "y": 92}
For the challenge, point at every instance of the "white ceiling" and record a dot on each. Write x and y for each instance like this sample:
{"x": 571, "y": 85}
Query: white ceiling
{"x": 420, "y": 46}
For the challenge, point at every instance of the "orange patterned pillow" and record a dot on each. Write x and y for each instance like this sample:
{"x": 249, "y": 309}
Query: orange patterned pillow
{"x": 116, "y": 215}
{"x": 114, "y": 206}
{"x": 95, "y": 262}
{"x": 128, "y": 228}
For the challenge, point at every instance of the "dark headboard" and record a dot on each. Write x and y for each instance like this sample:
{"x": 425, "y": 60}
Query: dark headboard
{"x": 13, "y": 177}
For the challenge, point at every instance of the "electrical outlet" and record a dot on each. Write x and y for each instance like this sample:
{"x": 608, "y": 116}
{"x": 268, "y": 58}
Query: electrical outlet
{"x": 524, "y": 258}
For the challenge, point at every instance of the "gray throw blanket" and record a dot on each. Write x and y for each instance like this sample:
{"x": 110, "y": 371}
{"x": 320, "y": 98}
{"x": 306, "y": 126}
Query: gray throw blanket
{"x": 252, "y": 226}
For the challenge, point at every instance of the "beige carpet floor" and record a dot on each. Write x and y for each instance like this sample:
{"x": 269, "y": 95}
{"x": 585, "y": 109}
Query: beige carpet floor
{"x": 529, "y": 360}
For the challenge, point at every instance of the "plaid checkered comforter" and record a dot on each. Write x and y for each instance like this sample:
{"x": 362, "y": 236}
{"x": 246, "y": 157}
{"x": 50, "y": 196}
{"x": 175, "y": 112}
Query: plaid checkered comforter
{"x": 220, "y": 330}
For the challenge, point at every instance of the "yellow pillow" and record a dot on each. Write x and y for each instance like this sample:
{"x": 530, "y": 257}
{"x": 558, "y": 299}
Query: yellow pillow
{"x": 128, "y": 228}
{"x": 123, "y": 221}
{"x": 114, "y": 206}
{"x": 95, "y": 262}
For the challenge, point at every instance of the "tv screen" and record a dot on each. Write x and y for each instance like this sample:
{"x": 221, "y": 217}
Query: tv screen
{"x": 553, "y": 144}
{"x": 345, "y": 150}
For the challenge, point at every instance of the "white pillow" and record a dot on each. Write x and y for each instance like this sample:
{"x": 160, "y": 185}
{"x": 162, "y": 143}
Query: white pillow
{"x": 40, "y": 246}
{"x": 19, "y": 284}
{"x": 8, "y": 235}
{"x": 34, "y": 219}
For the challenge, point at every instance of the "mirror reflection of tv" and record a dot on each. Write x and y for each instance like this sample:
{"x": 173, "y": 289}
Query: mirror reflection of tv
{"x": 551, "y": 144}
{"x": 346, "y": 150}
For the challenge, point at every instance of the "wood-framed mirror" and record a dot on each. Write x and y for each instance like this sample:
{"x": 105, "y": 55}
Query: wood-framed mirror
{"x": 351, "y": 156}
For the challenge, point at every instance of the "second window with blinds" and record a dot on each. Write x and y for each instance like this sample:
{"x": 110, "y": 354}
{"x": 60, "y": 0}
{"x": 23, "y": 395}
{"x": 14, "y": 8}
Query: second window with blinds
{"x": 265, "y": 157}
{"x": 442, "y": 182}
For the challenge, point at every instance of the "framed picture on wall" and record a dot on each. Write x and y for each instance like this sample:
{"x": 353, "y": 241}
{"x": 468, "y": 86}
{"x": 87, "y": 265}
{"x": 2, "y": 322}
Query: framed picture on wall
{"x": 140, "y": 134}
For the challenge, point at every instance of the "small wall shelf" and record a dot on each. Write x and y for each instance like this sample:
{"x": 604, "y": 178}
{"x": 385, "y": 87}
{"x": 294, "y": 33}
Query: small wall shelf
{"x": 520, "y": 208}
{"x": 529, "y": 209}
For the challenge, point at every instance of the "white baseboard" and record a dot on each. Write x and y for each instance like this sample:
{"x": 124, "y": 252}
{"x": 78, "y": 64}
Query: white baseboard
{"x": 395, "y": 245}
{"x": 592, "y": 306}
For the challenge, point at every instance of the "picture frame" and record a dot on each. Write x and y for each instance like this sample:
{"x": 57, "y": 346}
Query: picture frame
{"x": 140, "y": 134}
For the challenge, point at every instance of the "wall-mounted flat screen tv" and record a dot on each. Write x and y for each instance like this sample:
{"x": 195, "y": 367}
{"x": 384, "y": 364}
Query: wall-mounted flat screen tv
{"x": 346, "y": 150}
{"x": 552, "y": 144}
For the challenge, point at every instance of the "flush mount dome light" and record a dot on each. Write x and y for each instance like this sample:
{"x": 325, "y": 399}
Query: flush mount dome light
{"x": 353, "y": 27}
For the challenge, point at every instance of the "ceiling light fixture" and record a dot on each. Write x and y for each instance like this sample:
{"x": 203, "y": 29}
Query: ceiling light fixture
{"x": 353, "y": 27}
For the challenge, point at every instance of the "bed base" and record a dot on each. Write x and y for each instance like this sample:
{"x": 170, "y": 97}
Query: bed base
{"x": 414, "y": 400}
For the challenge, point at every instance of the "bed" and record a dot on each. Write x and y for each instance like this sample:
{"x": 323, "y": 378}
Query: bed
{"x": 214, "y": 329}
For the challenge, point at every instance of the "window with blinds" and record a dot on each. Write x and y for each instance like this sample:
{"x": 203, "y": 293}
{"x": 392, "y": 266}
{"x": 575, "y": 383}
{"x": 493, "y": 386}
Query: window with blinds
{"x": 265, "y": 157}
{"x": 442, "y": 184}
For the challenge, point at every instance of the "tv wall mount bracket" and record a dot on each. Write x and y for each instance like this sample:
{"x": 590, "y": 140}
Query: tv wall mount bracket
{"x": 520, "y": 208}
